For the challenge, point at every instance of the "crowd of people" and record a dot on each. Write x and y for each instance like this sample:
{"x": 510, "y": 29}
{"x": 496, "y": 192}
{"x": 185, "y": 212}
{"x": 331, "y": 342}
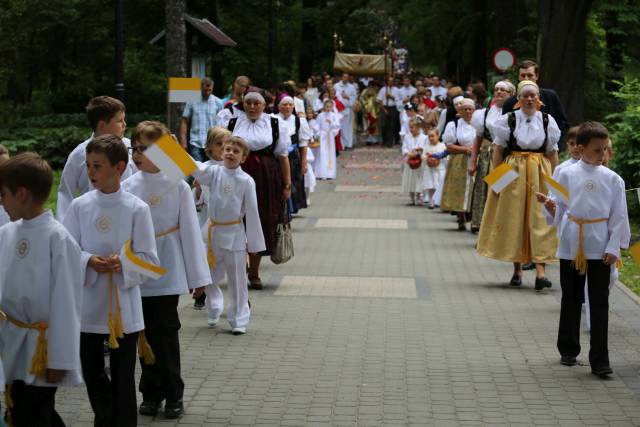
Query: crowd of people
{"x": 106, "y": 273}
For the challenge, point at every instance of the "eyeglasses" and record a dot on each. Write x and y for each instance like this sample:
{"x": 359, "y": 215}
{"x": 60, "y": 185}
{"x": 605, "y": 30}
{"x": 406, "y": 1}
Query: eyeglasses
{"x": 137, "y": 149}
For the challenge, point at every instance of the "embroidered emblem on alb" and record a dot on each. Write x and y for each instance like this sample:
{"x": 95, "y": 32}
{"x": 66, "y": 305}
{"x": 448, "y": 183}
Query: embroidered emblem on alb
{"x": 155, "y": 200}
{"x": 590, "y": 186}
{"x": 227, "y": 189}
{"x": 22, "y": 248}
{"x": 103, "y": 224}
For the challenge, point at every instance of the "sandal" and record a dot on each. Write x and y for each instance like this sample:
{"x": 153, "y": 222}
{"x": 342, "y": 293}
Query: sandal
{"x": 255, "y": 283}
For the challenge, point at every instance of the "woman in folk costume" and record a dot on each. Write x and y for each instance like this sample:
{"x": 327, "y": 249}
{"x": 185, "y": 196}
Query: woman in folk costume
{"x": 513, "y": 228}
{"x": 268, "y": 165}
{"x": 459, "y": 137}
{"x": 480, "y": 163}
{"x": 328, "y": 124}
{"x": 413, "y": 143}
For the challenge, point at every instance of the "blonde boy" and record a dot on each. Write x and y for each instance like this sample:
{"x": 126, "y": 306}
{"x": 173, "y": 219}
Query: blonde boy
{"x": 232, "y": 200}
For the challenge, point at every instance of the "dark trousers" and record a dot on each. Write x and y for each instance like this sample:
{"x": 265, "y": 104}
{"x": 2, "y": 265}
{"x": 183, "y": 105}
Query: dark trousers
{"x": 33, "y": 406}
{"x": 572, "y": 283}
{"x": 390, "y": 126}
{"x": 162, "y": 379}
{"x": 113, "y": 400}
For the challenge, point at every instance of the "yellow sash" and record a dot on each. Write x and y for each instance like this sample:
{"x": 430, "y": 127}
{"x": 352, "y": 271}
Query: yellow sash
{"x": 167, "y": 232}
{"x": 581, "y": 259}
{"x": 39, "y": 360}
{"x": 211, "y": 256}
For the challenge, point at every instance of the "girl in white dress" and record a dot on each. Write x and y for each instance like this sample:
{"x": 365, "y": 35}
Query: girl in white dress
{"x": 325, "y": 155}
{"x": 412, "y": 147}
{"x": 433, "y": 175}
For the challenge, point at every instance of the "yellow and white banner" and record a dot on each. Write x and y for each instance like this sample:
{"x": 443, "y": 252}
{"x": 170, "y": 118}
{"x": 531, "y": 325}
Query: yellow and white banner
{"x": 500, "y": 177}
{"x": 557, "y": 189}
{"x": 184, "y": 89}
{"x": 131, "y": 262}
{"x": 170, "y": 158}
{"x": 635, "y": 253}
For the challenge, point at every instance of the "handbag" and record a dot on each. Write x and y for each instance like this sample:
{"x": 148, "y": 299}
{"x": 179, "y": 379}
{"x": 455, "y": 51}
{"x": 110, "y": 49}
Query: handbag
{"x": 283, "y": 250}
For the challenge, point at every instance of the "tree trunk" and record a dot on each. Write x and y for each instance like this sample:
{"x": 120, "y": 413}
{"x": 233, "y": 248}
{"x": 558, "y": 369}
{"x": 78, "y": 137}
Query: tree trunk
{"x": 176, "y": 45}
{"x": 309, "y": 41}
{"x": 615, "y": 40}
{"x": 562, "y": 51}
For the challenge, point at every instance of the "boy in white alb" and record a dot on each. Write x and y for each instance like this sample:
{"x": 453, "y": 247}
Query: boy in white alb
{"x": 106, "y": 116}
{"x": 593, "y": 227}
{"x": 182, "y": 254}
{"x": 41, "y": 282}
{"x": 232, "y": 198}
{"x": 102, "y": 221}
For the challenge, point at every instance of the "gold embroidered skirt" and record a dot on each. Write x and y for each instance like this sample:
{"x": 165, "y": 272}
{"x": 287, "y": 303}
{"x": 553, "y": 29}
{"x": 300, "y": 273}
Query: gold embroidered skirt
{"x": 457, "y": 184}
{"x": 513, "y": 228}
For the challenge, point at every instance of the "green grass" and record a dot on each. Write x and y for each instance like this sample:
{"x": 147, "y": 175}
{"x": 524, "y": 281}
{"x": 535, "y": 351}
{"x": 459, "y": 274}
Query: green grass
{"x": 53, "y": 197}
{"x": 630, "y": 272}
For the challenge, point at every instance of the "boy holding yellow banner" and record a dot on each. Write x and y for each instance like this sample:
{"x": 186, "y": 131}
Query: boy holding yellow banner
{"x": 589, "y": 209}
{"x": 103, "y": 221}
{"x": 181, "y": 251}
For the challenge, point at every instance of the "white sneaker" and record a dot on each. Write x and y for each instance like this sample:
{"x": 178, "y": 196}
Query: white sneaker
{"x": 212, "y": 322}
{"x": 239, "y": 331}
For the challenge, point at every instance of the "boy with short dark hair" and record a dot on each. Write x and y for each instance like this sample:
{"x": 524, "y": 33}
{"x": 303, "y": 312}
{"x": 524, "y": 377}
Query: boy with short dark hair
{"x": 41, "y": 283}
{"x": 180, "y": 250}
{"x": 103, "y": 221}
{"x": 106, "y": 115}
{"x": 593, "y": 226}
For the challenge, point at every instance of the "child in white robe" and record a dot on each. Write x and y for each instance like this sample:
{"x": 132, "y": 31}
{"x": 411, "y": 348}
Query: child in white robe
{"x": 41, "y": 282}
{"x": 325, "y": 155}
{"x": 310, "y": 176}
{"x": 102, "y": 221}
{"x": 182, "y": 254}
{"x": 106, "y": 116}
{"x": 593, "y": 226}
{"x": 232, "y": 198}
{"x": 412, "y": 147}
{"x": 216, "y": 137}
{"x": 433, "y": 176}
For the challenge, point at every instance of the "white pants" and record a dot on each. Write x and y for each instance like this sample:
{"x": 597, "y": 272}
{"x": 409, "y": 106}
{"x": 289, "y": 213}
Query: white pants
{"x": 346, "y": 129}
{"x": 233, "y": 263}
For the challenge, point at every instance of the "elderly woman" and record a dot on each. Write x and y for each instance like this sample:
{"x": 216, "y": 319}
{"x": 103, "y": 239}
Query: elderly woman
{"x": 480, "y": 163}
{"x": 268, "y": 165}
{"x": 513, "y": 228}
{"x": 300, "y": 134}
{"x": 459, "y": 137}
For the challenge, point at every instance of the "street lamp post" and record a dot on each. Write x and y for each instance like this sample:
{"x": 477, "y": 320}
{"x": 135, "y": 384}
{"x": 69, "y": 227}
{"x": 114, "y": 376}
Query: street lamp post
{"x": 119, "y": 59}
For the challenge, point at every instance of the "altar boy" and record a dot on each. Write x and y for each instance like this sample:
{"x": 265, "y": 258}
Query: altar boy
{"x": 181, "y": 252}
{"x": 593, "y": 226}
{"x": 41, "y": 282}
{"x": 102, "y": 221}
{"x": 232, "y": 198}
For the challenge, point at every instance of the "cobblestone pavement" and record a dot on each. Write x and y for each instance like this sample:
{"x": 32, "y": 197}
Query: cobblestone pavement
{"x": 387, "y": 316}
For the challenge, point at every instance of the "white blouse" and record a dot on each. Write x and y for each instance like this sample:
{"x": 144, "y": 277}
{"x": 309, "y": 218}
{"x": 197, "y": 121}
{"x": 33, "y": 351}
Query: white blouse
{"x": 529, "y": 132}
{"x": 464, "y": 133}
{"x": 305, "y": 133}
{"x": 258, "y": 133}
{"x": 477, "y": 120}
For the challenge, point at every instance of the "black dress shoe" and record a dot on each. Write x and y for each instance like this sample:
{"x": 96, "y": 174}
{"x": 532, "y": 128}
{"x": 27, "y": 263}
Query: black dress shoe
{"x": 542, "y": 282}
{"x": 602, "y": 371}
{"x": 516, "y": 280}
{"x": 173, "y": 410}
{"x": 528, "y": 266}
{"x": 150, "y": 408}
{"x": 568, "y": 360}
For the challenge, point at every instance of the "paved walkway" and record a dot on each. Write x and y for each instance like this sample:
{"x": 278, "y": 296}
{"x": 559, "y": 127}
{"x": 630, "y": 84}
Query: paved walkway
{"x": 387, "y": 316}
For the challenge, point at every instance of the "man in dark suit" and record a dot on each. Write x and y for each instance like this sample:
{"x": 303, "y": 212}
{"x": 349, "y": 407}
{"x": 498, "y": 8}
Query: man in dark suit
{"x": 528, "y": 70}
